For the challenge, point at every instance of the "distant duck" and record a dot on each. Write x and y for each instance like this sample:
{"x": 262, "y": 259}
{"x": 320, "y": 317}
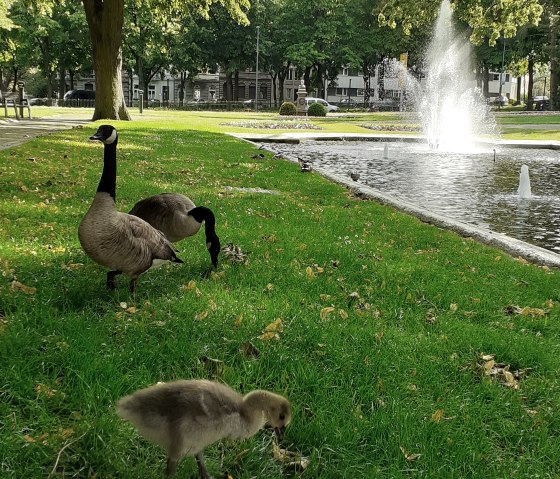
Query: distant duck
{"x": 121, "y": 242}
{"x": 354, "y": 175}
{"x": 305, "y": 165}
{"x": 177, "y": 217}
{"x": 185, "y": 416}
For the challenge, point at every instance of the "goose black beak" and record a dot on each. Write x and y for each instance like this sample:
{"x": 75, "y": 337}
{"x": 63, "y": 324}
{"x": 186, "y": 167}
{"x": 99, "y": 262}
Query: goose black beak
{"x": 279, "y": 431}
{"x": 95, "y": 137}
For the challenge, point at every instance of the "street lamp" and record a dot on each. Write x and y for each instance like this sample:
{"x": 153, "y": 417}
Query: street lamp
{"x": 257, "y": 73}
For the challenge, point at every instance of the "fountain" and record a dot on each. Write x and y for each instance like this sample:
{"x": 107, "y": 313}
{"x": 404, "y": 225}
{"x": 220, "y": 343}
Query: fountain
{"x": 452, "y": 112}
{"x": 452, "y": 172}
{"x": 524, "y": 189}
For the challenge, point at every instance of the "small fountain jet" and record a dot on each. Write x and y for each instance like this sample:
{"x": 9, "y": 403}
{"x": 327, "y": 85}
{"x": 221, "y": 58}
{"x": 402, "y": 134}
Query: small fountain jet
{"x": 524, "y": 189}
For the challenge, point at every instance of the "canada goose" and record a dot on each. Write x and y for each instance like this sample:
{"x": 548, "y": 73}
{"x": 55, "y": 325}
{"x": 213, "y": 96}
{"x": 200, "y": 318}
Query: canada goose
{"x": 177, "y": 217}
{"x": 185, "y": 416}
{"x": 354, "y": 175}
{"x": 121, "y": 242}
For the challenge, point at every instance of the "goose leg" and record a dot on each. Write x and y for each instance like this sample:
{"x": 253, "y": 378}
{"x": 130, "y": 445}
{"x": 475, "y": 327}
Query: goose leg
{"x": 111, "y": 282}
{"x": 201, "y": 467}
{"x": 171, "y": 467}
{"x": 132, "y": 286}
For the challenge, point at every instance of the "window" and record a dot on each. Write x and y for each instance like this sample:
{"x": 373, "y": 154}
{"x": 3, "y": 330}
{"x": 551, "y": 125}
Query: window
{"x": 88, "y": 86}
{"x": 495, "y": 76}
{"x": 151, "y": 92}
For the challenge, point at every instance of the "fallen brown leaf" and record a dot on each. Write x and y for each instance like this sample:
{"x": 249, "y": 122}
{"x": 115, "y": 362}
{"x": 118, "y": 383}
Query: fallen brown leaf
{"x": 324, "y": 314}
{"x": 437, "y": 416}
{"x": 409, "y": 456}
{"x": 17, "y": 286}
{"x": 289, "y": 458}
{"x": 248, "y": 349}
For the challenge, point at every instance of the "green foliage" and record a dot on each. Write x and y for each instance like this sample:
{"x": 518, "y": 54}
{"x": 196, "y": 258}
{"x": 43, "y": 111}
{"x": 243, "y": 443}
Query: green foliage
{"x": 288, "y": 108}
{"x": 316, "y": 109}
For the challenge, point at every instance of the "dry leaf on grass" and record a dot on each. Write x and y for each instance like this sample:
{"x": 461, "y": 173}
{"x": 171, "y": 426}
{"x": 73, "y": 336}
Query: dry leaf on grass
{"x": 324, "y": 314}
{"x": 289, "y": 459}
{"x": 249, "y": 350}
{"x": 272, "y": 330}
{"x": 409, "y": 456}
{"x": 214, "y": 367}
{"x": 437, "y": 416}
{"x": 526, "y": 311}
{"x": 17, "y": 286}
{"x": 201, "y": 315}
{"x": 234, "y": 254}
{"x": 500, "y": 372}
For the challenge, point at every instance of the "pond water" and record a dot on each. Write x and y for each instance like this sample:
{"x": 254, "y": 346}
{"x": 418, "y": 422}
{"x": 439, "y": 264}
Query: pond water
{"x": 479, "y": 187}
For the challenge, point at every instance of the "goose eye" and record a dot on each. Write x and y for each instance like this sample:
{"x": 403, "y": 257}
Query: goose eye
{"x": 282, "y": 417}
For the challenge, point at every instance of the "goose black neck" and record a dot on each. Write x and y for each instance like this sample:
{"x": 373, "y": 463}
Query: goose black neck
{"x": 200, "y": 214}
{"x": 108, "y": 181}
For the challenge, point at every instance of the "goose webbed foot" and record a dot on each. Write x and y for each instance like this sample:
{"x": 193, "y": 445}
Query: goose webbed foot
{"x": 111, "y": 281}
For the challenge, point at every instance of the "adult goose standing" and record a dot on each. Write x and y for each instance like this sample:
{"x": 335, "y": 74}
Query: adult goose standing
{"x": 119, "y": 241}
{"x": 185, "y": 416}
{"x": 177, "y": 217}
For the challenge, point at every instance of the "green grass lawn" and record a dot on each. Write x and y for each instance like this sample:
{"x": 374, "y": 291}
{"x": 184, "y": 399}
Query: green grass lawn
{"x": 385, "y": 321}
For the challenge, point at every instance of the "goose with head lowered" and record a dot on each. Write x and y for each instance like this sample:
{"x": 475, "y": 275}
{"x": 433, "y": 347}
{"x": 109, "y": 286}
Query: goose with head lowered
{"x": 185, "y": 416}
{"x": 177, "y": 217}
{"x": 119, "y": 241}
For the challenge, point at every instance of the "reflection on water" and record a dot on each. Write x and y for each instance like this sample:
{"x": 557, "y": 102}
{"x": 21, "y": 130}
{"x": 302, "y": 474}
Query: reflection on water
{"x": 469, "y": 187}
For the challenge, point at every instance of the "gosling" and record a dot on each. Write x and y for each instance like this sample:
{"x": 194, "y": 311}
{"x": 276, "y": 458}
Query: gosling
{"x": 185, "y": 416}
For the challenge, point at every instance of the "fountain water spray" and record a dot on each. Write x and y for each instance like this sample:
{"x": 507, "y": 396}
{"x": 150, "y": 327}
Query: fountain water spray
{"x": 386, "y": 151}
{"x": 524, "y": 189}
{"x": 452, "y": 112}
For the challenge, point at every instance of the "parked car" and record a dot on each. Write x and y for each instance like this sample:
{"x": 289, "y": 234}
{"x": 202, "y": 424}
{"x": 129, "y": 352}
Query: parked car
{"x": 386, "y": 104}
{"x": 347, "y": 103}
{"x": 79, "y": 95}
{"x": 325, "y": 103}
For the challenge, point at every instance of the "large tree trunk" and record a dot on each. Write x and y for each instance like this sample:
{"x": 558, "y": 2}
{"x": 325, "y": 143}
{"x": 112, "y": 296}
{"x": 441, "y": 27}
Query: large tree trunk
{"x": 485, "y": 81}
{"x": 105, "y": 21}
{"x": 518, "y": 92}
{"x": 530, "y": 74}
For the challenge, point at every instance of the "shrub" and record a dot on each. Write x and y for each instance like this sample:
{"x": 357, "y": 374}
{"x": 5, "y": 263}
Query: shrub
{"x": 288, "y": 108}
{"x": 316, "y": 109}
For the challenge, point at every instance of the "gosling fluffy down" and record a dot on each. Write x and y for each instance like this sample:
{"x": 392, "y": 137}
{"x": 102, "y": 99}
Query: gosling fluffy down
{"x": 121, "y": 242}
{"x": 185, "y": 416}
{"x": 177, "y": 217}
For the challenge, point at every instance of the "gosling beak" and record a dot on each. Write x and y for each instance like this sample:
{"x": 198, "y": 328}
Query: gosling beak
{"x": 279, "y": 431}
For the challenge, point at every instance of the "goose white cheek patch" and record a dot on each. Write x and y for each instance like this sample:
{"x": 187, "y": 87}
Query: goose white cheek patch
{"x": 112, "y": 138}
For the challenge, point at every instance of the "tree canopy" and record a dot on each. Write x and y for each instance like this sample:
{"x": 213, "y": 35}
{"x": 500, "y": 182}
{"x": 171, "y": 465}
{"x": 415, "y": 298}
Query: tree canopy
{"x": 149, "y": 37}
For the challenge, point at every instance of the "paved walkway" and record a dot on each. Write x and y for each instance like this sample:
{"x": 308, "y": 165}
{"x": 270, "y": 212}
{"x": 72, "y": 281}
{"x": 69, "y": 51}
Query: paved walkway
{"x": 15, "y": 132}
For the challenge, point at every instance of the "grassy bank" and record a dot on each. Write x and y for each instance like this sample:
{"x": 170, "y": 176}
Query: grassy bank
{"x": 392, "y": 340}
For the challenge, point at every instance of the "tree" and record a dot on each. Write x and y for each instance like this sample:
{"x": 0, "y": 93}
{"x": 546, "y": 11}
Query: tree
{"x": 105, "y": 20}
